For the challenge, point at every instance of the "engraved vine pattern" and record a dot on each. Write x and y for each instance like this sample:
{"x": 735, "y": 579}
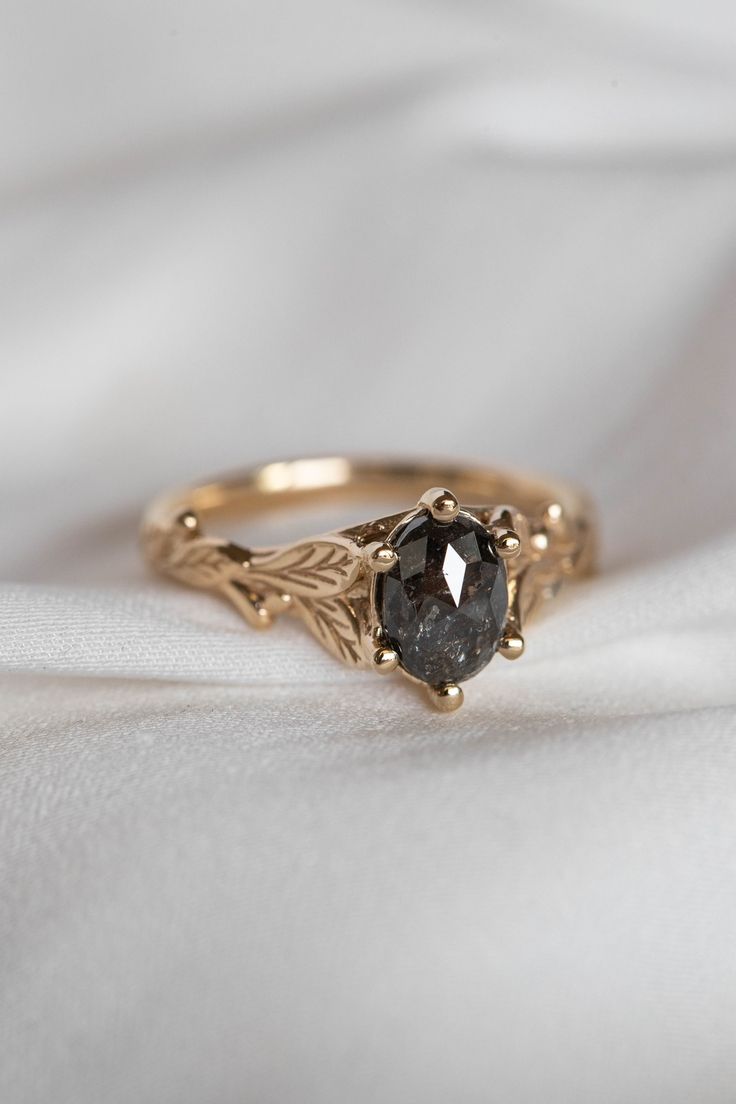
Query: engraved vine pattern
{"x": 197, "y": 561}
{"x": 335, "y": 623}
{"x": 319, "y": 568}
{"x": 315, "y": 574}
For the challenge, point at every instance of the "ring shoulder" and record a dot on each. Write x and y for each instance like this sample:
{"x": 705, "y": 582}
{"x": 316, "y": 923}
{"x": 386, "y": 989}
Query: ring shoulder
{"x": 319, "y": 568}
{"x": 318, "y": 580}
{"x": 189, "y": 557}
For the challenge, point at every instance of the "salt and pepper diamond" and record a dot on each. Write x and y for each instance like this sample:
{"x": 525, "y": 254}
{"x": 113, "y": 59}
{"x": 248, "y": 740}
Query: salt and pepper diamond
{"x": 444, "y": 603}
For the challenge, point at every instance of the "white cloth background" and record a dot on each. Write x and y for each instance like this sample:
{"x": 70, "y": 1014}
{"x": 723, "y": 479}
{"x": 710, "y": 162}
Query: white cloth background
{"x": 230, "y": 870}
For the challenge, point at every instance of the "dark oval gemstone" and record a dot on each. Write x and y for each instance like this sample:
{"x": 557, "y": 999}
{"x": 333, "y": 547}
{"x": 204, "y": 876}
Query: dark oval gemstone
{"x": 443, "y": 606}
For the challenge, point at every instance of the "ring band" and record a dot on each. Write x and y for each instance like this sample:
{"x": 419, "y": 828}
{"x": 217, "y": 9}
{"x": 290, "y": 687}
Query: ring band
{"x": 434, "y": 590}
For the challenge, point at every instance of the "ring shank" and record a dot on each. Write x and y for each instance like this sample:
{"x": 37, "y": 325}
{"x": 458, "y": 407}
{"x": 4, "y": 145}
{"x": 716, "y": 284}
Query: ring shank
{"x": 286, "y": 483}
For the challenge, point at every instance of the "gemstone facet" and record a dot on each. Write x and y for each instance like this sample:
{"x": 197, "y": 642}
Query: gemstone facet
{"x": 443, "y": 605}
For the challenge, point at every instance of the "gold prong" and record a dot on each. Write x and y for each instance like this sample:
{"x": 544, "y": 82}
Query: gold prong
{"x": 441, "y": 503}
{"x": 507, "y": 543}
{"x": 447, "y": 698}
{"x": 381, "y": 557}
{"x": 385, "y": 660}
{"x": 511, "y": 645}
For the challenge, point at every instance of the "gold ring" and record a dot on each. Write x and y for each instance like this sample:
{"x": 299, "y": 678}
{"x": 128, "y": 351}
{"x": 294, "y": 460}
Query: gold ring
{"x": 433, "y": 591}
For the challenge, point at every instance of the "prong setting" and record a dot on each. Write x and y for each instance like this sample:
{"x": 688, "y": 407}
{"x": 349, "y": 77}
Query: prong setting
{"x": 385, "y": 660}
{"x": 446, "y": 698}
{"x": 381, "y": 557}
{"x": 441, "y": 503}
{"x": 507, "y": 543}
{"x": 511, "y": 645}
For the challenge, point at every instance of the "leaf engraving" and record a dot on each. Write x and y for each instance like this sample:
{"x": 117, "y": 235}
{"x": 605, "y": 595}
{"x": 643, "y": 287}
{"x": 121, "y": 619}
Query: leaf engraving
{"x": 316, "y": 575}
{"x": 316, "y": 569}
{"x": 199, "y": 562}
{"x": 335, "y": 624}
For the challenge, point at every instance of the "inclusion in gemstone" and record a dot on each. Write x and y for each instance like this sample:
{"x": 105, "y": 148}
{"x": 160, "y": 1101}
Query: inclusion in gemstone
{"x": 443, "y": 605}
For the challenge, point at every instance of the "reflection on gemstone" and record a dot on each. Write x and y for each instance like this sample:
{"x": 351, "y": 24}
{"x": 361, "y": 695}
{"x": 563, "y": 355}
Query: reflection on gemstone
{"x": 443, "y": 606}
{"x": 454, "y": 571}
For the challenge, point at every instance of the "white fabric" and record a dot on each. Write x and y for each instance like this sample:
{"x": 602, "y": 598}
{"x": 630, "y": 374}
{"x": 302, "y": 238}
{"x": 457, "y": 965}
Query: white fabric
{"x": 229, "y": 869}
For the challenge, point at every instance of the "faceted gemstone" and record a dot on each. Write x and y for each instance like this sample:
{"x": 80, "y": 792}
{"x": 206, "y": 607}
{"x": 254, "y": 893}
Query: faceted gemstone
{"x": 443, "y": 606}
